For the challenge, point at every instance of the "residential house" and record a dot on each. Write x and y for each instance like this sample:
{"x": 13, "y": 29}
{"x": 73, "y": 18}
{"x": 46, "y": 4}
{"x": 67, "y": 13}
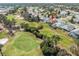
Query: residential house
{"x": 75, "y": 33}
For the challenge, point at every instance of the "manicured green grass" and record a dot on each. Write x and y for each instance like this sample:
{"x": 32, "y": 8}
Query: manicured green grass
{"x": 2, "y": 35}
{"x": 47, "y": 32}
{"x": 34, "y": 24}
{"x": 10, "y": 17}
{"x": 65, "y": 41}
{"x": 19, "y": 21}
{"x": 45, "y": 25}
{"x": 23, "y": 43}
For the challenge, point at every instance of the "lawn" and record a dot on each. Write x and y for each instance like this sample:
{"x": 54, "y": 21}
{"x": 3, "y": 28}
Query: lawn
{"x": 26, "y": 43}
{"x": 23, "y": 42}
{"x": 10, "y": 17}
{"x": 47, "y": 32}
{"x": 19, "y": 21}
{"x": 2, "y": 35}
{"x": 65, "y": 41}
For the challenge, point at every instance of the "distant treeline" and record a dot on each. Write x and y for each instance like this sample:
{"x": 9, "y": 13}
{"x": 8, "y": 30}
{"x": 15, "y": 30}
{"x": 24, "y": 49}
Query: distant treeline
{"x": 38, "y": 4}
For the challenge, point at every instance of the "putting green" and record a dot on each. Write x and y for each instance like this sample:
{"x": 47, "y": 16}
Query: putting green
{"x": 22, "y": 44}
{"x": 25, "y": 41}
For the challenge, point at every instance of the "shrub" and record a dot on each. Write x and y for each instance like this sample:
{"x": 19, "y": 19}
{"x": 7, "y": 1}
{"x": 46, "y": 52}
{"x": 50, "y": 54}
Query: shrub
{"x": 49, "y": 46}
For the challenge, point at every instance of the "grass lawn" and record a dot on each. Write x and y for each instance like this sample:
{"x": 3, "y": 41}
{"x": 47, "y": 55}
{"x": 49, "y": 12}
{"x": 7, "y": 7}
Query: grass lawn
{"x": 10, "y": 17}
{"x": 2, "y": 35}
{"x": 65, "y": 41}
{"x": 24, "y": 43}
{"x": 19, "y": 21}
{"x": 47, "y": 32}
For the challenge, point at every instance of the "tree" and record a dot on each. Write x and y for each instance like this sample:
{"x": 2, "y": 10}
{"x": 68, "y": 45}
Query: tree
{"x": 1, "y": 49}
{"x": 49, "y": 45}
{"x": 68, "y": 13}
{"x": 72, "y": 21}
{"x": 2, "y": 18}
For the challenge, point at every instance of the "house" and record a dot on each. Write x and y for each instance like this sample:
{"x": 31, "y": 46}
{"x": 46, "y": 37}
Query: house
{"x": 3, "y": 11}
{"x": 18, "y": 17}
{"x": 58, "y": 24}
{"x": 63, "y": 13}
{"x": 68, "y": 27}
{"x": 52, "y": 19}
{"x": 46, "y": 19}
{"x": 76, "y": 19}
{"x": 63, "y": 25}
{"x": 1, "y": 28}
{"x": 75, "y": 33}
{"x": 27, "y": 15}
